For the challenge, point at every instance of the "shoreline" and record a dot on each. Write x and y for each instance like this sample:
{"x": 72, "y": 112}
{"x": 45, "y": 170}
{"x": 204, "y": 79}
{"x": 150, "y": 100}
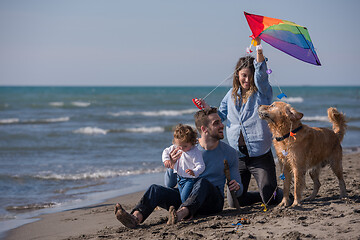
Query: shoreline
{"x": 91, "y": 199}
{"x": 321, "y": 218}
{"x": 66, "y": 217}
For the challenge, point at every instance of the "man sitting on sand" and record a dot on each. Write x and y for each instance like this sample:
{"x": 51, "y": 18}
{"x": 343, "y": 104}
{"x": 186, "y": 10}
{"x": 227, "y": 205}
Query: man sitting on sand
{"x": 207, "y": 195}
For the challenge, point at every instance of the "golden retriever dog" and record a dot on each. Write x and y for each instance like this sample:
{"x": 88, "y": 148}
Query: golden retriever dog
{"x": 300, "y": 148}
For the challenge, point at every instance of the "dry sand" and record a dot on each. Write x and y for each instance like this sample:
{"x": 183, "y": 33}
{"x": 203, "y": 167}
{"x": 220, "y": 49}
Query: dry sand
{"x": 326, "y": 217}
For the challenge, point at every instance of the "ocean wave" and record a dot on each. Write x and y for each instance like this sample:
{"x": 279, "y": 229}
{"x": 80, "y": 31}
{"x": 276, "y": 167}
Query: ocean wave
{"x": 293, "y": 99}
{"x": 326, "y": 119}
{"x": 9, "y": 121}
{"x": 316, "y": 119}
{"x": 56, "y": 104}
{"x": 48, "y": 120}
{"x": 91, "y": 131}
{"x": 97, "y": 175}
{"x": 31, "y": 207}
{"x": 81, "y": 104}
{"x": 34, "y": 121}
{"x": 96, "y": 130}
{"x": 145, "y": 129}
{"x": 170, "y": 113}
{"x": 73, "y": 104}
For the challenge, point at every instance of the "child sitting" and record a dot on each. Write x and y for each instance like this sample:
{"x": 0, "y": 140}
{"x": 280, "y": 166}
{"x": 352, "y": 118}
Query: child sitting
{"x": 185, "y": 158}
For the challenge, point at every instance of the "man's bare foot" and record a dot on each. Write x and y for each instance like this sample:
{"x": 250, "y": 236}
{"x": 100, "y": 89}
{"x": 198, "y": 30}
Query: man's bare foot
{"x": 173, "y": 218}
{"x": 127, "y": 219}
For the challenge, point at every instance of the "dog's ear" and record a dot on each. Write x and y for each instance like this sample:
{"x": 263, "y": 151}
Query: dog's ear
{"x": 295, "y": 115}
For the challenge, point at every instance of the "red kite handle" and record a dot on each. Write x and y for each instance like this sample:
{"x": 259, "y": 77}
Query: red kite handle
{"x": 199, "y": 106}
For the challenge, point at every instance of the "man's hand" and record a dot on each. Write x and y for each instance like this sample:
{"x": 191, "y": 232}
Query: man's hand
{"x": 234, "y": 185}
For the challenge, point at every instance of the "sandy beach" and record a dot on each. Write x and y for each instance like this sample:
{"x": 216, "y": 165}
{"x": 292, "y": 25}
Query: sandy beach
{"x": 323, "y": 218}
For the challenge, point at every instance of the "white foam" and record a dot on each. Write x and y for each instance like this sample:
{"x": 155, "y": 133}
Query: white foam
{"x": 47, "y": 120}
{"x": 145, "y": 129}
{"x": 78, "y": 176}
{"x": 97, "y": 174}
{"x": 32, "y": 121}
{"x": 316, "y": 118}
{"x": 294, "y": 99}
{"x": 168, "y": 113}
{"x": 34, "y": 206}
{"x": 91, "y": 131}
{"x": 60, "y": 119}
{"x": 123, "y": 113}
{"x": 56, "y": 104}
{"x": 9, "y": 121}
{"x": 154, "y": 113}
{"x": 80, "y": 104}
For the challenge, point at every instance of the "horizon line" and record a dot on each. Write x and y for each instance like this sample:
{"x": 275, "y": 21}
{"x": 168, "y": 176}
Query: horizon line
{"x": 184, "y": 86}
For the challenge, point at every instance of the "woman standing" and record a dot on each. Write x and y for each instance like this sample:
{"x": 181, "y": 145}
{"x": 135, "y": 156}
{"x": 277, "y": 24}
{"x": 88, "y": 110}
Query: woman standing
{"x": 246, "y": 132}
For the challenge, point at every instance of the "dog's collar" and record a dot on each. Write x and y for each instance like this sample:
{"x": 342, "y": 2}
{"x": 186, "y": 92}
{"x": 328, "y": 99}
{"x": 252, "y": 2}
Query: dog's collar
{"x": 288, "y": 134}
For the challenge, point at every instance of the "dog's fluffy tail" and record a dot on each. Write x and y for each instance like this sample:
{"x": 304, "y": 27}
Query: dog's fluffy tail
{"x": 338, "y": 121}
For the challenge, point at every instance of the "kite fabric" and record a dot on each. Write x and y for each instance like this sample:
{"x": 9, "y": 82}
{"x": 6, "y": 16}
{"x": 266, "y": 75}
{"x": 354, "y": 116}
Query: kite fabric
{"x": 284, "y": 35}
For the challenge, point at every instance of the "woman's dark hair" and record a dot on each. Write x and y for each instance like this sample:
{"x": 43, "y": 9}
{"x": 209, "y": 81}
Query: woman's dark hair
{"x": 244, "y": 62}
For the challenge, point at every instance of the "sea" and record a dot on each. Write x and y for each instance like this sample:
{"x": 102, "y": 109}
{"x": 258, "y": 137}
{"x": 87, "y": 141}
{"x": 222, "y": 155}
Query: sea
{"x": 65, "y": 147}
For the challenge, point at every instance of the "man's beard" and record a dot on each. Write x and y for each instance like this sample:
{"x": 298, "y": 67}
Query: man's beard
{"x": 217, "y": 136}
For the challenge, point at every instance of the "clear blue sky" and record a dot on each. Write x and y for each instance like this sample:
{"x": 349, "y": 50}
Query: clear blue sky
{"x": 164, "y": 42}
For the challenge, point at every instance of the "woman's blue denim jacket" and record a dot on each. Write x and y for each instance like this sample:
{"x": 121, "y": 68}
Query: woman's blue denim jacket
{"x": 245, "y": 117}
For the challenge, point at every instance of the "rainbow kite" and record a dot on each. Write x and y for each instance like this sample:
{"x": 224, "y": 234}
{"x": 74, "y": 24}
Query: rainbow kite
{"x": 286, "y": 36}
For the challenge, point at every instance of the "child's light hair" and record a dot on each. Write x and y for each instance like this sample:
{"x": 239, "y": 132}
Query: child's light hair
{"x": 185, "y": 134}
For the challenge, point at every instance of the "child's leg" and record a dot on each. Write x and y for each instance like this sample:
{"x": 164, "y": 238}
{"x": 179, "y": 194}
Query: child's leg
{"x": 187, "y": 186}
{"x": 180, "y": 184}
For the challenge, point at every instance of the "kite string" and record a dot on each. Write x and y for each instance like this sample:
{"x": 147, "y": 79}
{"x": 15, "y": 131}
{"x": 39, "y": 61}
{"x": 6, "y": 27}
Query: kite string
{"x": 227, "y": 78}
{"x": 276, "y": 83}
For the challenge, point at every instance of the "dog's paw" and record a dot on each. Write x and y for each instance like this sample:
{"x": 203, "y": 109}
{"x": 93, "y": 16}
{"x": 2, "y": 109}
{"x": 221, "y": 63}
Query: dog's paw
{"x": 284, "y": 203}
{"x": 296, "y": 204}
